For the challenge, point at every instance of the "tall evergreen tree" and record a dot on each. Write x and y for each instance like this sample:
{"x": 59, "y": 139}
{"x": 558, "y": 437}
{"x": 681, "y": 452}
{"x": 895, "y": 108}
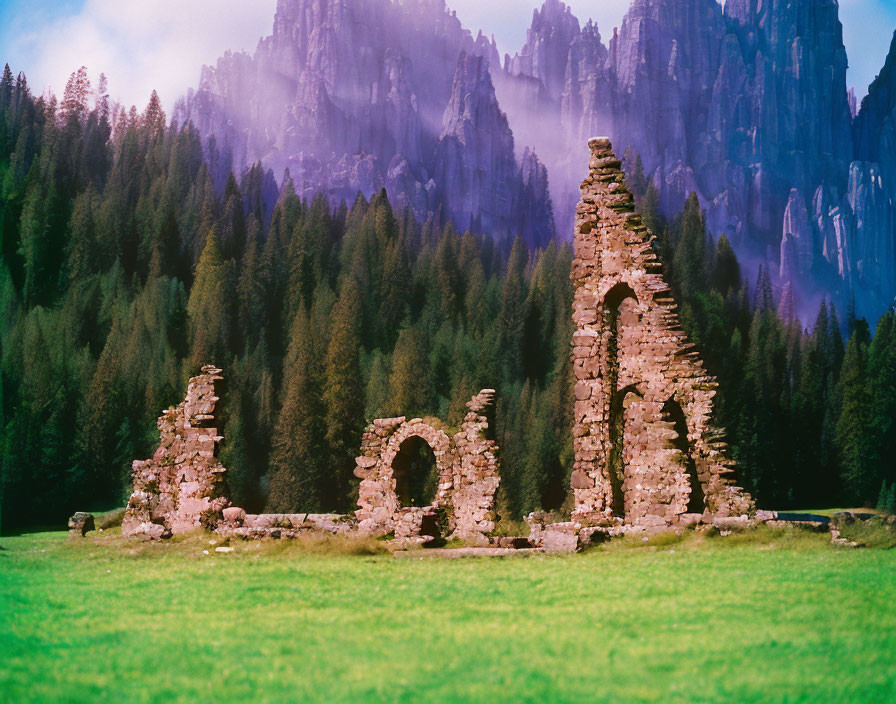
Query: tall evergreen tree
{"x": 343, "y": 396}
{"x": 853, "y": 425}
{"x": 299, "y": 458}
{"x": 408, "y": 382}
{"x": 208, "y": 307}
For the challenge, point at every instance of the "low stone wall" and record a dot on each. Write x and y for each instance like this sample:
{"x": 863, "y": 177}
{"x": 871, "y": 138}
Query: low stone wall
{"x": 237, "y": 523}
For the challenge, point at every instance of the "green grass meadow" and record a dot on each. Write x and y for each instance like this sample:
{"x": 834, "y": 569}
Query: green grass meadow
{"x": 768, "y": 617}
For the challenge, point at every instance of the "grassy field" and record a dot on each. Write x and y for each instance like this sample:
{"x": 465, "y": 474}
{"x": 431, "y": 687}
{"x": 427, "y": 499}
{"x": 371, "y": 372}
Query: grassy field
{"x": 773, "y": 617}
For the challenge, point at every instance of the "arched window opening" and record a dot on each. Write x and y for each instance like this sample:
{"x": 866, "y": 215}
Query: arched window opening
{"x": 616, "y": 295}
{"x": 612, "y": 303}
{"x": 415, "y": 473}
{"x": 673, "y": 413}
{"x": 620, "y": 401}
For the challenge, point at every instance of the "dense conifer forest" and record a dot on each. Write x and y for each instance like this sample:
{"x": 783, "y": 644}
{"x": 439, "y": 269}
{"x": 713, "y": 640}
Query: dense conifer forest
{"x": 130, "y": 256}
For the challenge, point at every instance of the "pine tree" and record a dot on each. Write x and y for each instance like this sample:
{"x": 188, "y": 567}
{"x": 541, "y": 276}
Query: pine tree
{"x": 82, "y": 245}
{"x": 853, "y": 436}
{"x": 154, "y": 117}
{"x": 343, "y": 396}
{"x": 74, "y": 99}
{"x": 513, "y": 311}
{"x": 637, "y": 179}
{"x": 299, "y": 456}
{"x": 726, "y": 270}
{"x": 689, "y": 262}
{"x": 252, "y": 305}
{"x": 408, "y": 382}
{"x": 882, "y": 383}
{"x": 394, "y": 304}
{"x": 377, "y": 393}
{"x": 233, "y": 235}
{"x": 208, "y": 307}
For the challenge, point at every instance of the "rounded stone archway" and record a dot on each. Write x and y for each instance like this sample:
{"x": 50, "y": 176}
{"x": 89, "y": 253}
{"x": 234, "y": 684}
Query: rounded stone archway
{"x": 466, "y": 469}
{"x": 436, "y": 440}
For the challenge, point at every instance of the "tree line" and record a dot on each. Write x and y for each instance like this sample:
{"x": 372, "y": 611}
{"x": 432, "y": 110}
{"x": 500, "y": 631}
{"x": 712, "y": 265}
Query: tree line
{"x": 130, "y": 255}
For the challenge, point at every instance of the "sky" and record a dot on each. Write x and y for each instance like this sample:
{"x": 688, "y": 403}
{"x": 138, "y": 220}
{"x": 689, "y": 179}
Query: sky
{"x": 140, "y": 47}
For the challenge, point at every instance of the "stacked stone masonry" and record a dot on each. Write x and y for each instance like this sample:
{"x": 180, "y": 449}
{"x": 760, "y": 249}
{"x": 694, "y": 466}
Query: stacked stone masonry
{"x": 183, "y": 486}
{"x": 646, "y": 455}
{"x": 646, "y": 452}
{"x": 468, "y": 477}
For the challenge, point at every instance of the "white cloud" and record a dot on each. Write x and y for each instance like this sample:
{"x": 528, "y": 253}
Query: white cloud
{"x": 140, "y": 45}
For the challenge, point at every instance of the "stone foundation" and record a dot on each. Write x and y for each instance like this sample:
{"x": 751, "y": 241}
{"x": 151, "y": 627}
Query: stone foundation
{"x": 237, "y": 523}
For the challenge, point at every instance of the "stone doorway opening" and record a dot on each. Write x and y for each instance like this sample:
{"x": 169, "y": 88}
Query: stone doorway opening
{"x": 416, "y": 473}
{"x": 673, "y": 413}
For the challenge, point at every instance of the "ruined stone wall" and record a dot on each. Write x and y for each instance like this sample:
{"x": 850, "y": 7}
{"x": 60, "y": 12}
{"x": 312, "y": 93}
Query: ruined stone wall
{"x": 182, "y": 487}
{"x": 476, "y": 470}
{"x": 379, "y": 508}
{"x": 635, "y": 373}
{"x": 466, "y": 463}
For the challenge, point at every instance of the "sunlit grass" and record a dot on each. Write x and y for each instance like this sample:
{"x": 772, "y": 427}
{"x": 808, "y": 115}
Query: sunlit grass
{"x": 774, "y": 616}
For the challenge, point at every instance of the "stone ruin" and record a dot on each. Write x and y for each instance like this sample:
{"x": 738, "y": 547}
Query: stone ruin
{"x": 646, "y": 455}
{"x": 183, "y": 486}
{"x": 645, "y": 452}
{"x": 467, "y": 469}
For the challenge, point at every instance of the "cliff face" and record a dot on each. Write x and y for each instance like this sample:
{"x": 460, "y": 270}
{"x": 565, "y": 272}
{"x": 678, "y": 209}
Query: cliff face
{"x": 747, "y": 105}
{"x": 475, "y": 166}
{"x": 545, "y": 54}
{"x": 367, "y": 95}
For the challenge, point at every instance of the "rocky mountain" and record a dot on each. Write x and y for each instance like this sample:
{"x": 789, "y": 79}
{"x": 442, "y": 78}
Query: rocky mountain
{"x": 375, "y": 94}
{"x": 746, "y": 104}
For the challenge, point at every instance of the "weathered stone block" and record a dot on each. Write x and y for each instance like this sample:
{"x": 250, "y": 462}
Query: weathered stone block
{"x": 234, "y": 514}
{"x": 80, "y": 524}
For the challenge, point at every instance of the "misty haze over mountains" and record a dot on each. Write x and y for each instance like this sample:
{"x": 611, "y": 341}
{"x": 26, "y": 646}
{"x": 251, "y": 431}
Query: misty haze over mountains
{"x": 747, "y": 105}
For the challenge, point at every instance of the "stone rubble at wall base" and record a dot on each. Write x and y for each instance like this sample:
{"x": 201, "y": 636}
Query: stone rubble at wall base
{"x": 80, "y": 524}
